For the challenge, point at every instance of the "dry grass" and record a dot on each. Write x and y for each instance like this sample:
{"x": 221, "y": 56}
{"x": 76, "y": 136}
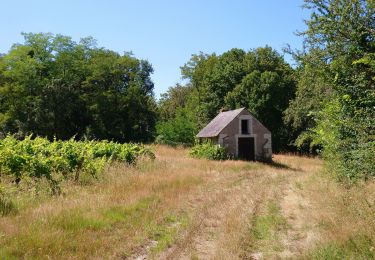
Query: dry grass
{"x": 183, "y": 208}
{"x": 345, "y": 217}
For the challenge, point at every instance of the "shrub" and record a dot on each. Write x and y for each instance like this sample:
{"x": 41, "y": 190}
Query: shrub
{"x": 179, "y": 130}
{"x": 347, "y": 147}
{"x": 209, "y": 151}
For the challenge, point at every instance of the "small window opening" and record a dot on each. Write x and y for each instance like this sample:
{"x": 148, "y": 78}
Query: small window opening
{"x": 244, "y": 127}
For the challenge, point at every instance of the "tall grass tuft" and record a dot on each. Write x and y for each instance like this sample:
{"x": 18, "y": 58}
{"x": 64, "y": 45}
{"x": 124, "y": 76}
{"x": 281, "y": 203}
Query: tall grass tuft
{"x": 7, "y": 206}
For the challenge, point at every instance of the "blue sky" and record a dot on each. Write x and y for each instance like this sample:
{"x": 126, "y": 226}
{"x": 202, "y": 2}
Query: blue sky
{"x": 164, "y": 32}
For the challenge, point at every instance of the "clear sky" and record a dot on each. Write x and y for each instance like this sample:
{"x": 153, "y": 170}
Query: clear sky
{"x": 164, "y": 32}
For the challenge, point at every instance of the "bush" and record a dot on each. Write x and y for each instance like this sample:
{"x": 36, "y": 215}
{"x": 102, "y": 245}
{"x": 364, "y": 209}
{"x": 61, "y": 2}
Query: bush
{"x": 347, "y": 146}
{"x": 180, "y": 130}
{"x": 209, "y": 151}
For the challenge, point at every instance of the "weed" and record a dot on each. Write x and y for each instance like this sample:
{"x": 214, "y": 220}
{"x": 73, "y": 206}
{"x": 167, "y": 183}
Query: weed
{"x": 7, "y": 206}
{"x": 266, "y": 229}
{"x": 165, "y": 233}
{"x": 75, "y": 221}
{"x": 358, "y": 247}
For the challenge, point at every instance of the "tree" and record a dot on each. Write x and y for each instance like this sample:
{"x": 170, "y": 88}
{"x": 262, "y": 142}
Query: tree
{"x": 175, "y": 97}
{"x": 177, "y": 113}
{"x": 266, "y": 92}
{"x": 119, "y": 97}
{"x": 313, "y": 88}
{"x": 181, "y": 129}
{"x": 259, "y": 80}
{"x": 197, "y": 70}
{"x": 341, "y": 35}
{"x": 52, "y": 86}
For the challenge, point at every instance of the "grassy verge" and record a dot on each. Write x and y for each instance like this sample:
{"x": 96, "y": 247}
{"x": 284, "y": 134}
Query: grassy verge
{"x": 346, "y": 217}
{"x": 86, "y": 232}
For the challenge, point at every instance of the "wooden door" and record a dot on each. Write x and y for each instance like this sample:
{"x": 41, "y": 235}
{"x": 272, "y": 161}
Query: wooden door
{"x": 246, "y": 148}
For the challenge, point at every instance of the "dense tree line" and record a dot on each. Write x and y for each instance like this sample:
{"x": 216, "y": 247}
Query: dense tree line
{"x": 55, "y": 87}
{"x": 259, "y": 80}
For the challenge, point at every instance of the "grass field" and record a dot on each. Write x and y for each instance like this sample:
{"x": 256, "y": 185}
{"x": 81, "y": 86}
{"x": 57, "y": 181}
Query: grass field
{"x": 177, "y": 207}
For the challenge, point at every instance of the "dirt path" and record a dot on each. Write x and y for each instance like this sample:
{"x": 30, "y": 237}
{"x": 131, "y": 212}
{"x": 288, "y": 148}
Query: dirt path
{"x": 226, "y": 213}
{"x": 216, "y": 230}
{"x": 301, "y": 232}
{"x": 224, "y": 216}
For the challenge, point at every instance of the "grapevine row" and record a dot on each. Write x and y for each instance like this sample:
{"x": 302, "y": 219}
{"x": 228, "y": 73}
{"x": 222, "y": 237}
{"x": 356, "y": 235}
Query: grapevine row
{"x": 38, "y": 157}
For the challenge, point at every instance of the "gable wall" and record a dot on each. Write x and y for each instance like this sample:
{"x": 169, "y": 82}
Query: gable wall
{"x": 229, "y": 135}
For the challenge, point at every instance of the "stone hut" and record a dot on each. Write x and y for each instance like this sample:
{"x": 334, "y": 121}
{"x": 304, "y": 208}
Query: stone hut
{"x": 241, "y": 134}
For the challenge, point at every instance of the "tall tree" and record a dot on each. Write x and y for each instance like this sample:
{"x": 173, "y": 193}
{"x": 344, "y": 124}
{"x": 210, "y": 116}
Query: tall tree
{"x": 175, "y": 97}
{"x": 53, "y": 86}
{"x": 178, "y": 115}
{"x": 314, "y": 87}
{"x": 259, "y": 79}
{"x": 341, "y": 36}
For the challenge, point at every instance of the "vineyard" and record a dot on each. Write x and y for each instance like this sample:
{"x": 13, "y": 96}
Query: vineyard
{"x": 39, "y": 158}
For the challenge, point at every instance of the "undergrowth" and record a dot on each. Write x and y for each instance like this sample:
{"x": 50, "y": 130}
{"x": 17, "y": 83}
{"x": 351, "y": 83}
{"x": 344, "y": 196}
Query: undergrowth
{"x": 209, "y": 151}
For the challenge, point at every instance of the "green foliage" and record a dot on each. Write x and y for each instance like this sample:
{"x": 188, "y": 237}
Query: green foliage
{"x": 53, "y": 86}
{"x": 313, "y": 88}
{"x": 175, "y": 98}
{"x": 259, "y": 80}
{"x": 338, "y": 105}
{"x": 209, "y": 151}
{"x": 39, "y": 158}
{"x": 178, "y": 122}
{"x": 180, "y": 129}
{"x": 348, "y": 158}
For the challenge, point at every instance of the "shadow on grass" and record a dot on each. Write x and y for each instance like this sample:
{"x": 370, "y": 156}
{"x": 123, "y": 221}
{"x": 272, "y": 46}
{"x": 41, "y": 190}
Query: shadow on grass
{"x": 278, "y": 165}
{"x": 273, "y": 164}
